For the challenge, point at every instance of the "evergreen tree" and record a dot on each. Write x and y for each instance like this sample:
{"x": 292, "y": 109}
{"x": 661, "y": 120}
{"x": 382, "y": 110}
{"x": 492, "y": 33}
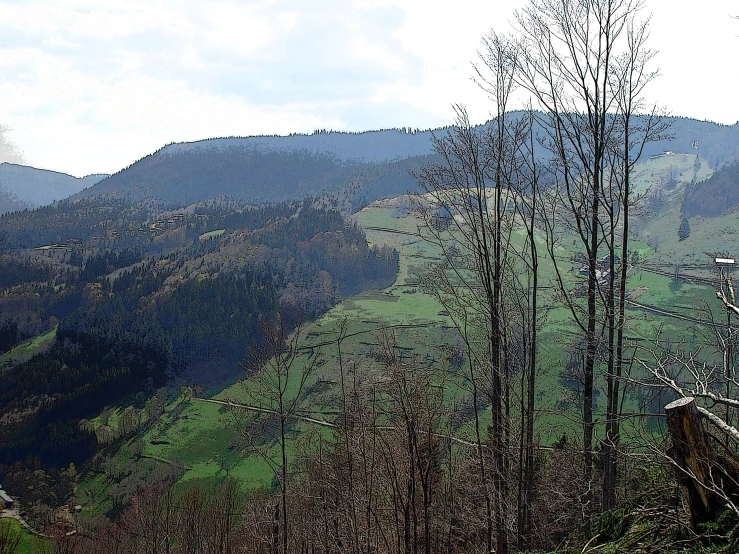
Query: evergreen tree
{"x": 684, "y": 231}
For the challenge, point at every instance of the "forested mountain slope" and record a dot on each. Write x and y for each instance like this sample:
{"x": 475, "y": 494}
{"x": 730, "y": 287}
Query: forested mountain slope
{"x": 135, "y": 303}
{"x": 719, "y": 144}
{"x": 355, "y": 167}
{"x": 715, "y": 196}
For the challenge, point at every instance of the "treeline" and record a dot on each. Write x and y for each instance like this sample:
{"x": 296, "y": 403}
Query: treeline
{"x": 10, "y": 336}
{"x": 200, "y": 318}
{"x": 104, "y": 262}
{"x": 76, "y": 221}
{"x": 16, "y": 271}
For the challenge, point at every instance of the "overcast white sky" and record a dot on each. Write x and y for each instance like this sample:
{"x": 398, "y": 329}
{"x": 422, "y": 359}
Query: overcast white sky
{"x": 91, "y": 86}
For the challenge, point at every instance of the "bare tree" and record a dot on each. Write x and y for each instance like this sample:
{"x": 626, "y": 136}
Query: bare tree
{"x": 150, "y": 519}
{"x": 10, "y": 537}
{"x": 279, "y": 373}
{"x": 469, "y": 195}
{"x": 526, "y": 282}
{"x": 635, "y": 127}
{"x": 575, "y": 58}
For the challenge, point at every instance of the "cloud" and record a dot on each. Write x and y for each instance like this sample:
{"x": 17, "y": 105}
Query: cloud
{"x": 90, "y": 86}
{"x": 184, "y": 70}
{"x": 9, "y": 151}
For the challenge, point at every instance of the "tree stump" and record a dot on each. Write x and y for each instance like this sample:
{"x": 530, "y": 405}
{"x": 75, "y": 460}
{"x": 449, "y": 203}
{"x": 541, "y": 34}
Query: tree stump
{"x": 701, "y": 473}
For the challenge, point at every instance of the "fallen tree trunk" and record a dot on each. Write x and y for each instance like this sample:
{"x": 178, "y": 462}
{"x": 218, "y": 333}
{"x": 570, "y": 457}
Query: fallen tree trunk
{"x": 707, "y": 479}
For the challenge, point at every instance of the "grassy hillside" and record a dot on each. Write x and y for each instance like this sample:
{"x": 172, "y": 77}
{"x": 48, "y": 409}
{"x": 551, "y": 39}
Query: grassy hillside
{"x": 658, "y": 226}
{"x": 27, "y": 349}
{"x": 203, "y": 442}
{"x": 29, "y": 544}
{"x": 201, "y": 437}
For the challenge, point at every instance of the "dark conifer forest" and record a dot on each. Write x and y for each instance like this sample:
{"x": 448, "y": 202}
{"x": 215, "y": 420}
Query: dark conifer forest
{"x": 136, "y": 305}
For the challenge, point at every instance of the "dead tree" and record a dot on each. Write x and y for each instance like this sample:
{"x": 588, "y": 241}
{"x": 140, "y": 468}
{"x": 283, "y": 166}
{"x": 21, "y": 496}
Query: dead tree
{"x": 707, "y": 467}
{"x": 708, "y": 480}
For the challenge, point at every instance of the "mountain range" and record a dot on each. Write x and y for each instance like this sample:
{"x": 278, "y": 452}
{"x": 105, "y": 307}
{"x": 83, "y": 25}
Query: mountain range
{"x": 358, "y": 167}
{"x": 24, "y": 187}
{"x": 354, "y": 168}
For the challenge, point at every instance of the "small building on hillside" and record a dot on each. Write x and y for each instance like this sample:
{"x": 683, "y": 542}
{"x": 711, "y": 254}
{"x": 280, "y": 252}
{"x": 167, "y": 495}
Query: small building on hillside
{"x": 605, "y": 262}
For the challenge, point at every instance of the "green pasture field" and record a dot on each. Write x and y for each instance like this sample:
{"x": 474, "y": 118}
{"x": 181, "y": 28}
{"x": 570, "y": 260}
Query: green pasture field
{"x": 27, "y": 349}
{"x": 206, "y": 439}
{"x": 30, "y": 544}
{"x": 212, "y": 234}
{"x": 654, "y": 174}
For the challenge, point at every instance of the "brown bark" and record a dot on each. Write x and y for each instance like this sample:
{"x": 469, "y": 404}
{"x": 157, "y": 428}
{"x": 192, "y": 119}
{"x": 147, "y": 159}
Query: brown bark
{"x": 708, "y": 481}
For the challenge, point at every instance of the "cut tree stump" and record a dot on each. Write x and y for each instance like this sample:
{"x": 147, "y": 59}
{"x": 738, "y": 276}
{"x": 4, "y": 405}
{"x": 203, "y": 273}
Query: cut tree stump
{"x": 703, "y": 475}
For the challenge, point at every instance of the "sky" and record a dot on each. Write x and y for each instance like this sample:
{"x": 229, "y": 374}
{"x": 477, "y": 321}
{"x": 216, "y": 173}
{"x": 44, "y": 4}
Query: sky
{"x": 92, "y": 86}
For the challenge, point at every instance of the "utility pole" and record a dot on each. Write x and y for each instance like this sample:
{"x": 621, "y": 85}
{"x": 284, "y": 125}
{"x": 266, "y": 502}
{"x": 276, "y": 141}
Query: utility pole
{"x": 725, "y": 266}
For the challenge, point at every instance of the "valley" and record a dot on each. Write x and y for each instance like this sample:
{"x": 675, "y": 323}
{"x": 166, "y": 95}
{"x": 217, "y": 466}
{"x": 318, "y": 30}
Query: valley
{"x": 131, "y": 322}
{"x": 296, "y": 278}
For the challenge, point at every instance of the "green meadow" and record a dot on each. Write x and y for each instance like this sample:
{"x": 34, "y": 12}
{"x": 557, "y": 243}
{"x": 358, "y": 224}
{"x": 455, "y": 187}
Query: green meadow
{"x": 27, "y": 349}
{"x": 212, "y": 234}
{"x": 207, "y": 443}
{"x": 29, "y": 543}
